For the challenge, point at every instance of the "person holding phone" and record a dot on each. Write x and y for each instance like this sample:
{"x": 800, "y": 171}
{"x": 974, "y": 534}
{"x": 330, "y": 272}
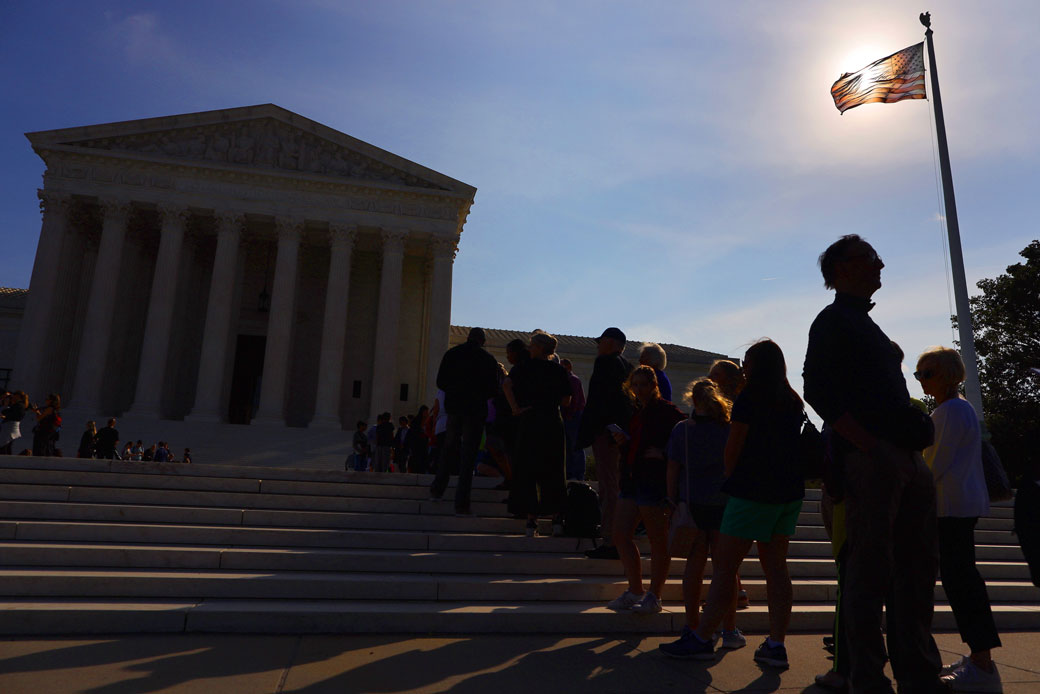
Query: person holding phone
{"x": 643, "y": 491}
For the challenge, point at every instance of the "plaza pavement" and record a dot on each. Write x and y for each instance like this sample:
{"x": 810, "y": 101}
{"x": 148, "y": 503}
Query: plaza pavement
{"x": 395, "y": 664}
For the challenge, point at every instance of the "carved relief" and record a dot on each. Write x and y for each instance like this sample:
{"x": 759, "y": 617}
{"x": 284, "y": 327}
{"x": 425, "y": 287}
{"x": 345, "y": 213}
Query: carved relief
{"x": 263, "y": 142}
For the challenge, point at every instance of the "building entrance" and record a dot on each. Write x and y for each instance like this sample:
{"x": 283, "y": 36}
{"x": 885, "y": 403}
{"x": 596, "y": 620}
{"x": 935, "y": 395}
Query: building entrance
{"x": 245, "y": 379}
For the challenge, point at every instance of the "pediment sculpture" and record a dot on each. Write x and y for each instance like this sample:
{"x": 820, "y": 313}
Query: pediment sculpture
{"x": 263, "y": 142}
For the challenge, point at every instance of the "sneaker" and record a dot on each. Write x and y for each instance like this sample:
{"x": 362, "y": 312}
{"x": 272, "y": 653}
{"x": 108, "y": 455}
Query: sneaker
{"x": 557, "y": 529}
{"x": 627, "y": 601}
{"x": 972, "y": 678}
{"x": 833, "y": 679}
{"x": 733, "y": 639}
{"x": 742, "y": 600}
{"x": 775, "y": 656}
{"x": 688, "y": 646}
{"x": 650, "y": 604}
{"x": 954, "y": 666}
{"x": 532, "y": 528}
{"x": 603, "y": 552}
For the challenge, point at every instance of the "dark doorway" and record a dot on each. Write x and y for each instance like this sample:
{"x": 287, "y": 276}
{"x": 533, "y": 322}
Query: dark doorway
{"x": 245, "y": 379}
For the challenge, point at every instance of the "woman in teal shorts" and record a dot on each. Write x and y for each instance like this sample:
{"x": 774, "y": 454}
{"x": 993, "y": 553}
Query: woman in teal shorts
{"x": 765, "y": 486}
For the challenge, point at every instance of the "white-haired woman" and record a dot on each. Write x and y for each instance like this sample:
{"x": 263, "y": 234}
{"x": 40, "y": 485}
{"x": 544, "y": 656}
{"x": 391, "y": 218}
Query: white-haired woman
{"x": 653, "y": 355}
{"x": 955, "y": 460}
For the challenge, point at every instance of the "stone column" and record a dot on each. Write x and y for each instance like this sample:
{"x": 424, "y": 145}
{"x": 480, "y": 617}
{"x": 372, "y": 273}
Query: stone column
{"x": 442, "y": 259}
{"x": 32, "y": 335}
{"x": 280, "y": 323}
{"x": 209, "y": 404}
{"x": 387, "y": 319}
{"x": 334, "y": 331}
{"x": 97, "y": 332}
{"x": 158, "y": 326}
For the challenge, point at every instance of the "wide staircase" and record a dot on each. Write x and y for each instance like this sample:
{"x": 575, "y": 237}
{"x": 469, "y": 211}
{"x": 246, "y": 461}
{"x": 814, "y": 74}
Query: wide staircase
{"x": 89, "y": 546}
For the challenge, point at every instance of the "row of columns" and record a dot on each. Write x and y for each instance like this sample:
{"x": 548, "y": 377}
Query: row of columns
{"x": 220, "y": 318}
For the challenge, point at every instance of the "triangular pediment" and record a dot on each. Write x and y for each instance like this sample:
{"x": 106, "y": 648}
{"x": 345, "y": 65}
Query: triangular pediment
{"x": 258, "y": 137}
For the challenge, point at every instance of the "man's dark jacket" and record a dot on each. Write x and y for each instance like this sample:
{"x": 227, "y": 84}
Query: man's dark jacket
{"x": 607, "y": 401}
{"x": 469, "y": 377}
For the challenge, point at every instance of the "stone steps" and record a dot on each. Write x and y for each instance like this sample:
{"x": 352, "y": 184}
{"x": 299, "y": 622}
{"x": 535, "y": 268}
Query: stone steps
{"x": 89, "y": 616}
{"x": 365, "y": 585}
{"x": 106, "y": 546}
{"x": 172, "y": 533}
{"x": 151, "y": 556}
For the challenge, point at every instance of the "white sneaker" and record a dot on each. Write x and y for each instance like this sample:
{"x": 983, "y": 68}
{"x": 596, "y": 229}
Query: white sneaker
{"x": 627, "y": 601}
{"x": 954, "y": 666}
{"x": 648, "y": 605}
{"x": 971, "y": 678}
{"x": 733, "y": 639}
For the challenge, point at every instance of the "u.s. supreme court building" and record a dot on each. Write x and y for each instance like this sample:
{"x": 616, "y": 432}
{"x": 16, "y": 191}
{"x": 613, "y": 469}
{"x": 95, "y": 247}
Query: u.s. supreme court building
{"x": 238, "y": 265}
{"x": 246, "y": 266}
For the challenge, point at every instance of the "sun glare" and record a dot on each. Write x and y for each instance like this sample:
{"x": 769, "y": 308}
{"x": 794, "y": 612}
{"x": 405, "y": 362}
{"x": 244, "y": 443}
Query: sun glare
{"x": 861, "y": 56}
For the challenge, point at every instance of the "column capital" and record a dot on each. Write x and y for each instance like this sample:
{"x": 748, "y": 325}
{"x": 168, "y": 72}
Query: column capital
{"x": 116, "y": 209}
{"x": 443, "y": 248}
{"x": 228, "y": 221}
{"x": 289, "y": 228}
{"x": 173, "y": 213}
{"x": 342, "y": 235}
{"x": 393, "y": 240}
{"x": 53, "y": 202}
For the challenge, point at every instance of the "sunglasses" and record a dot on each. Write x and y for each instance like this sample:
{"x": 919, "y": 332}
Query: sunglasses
{"x": 923, "y": 374}
{"x": 871, "y": 256}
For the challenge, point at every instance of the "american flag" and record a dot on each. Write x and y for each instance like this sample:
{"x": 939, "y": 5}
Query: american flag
{"x": 897, "y": 77}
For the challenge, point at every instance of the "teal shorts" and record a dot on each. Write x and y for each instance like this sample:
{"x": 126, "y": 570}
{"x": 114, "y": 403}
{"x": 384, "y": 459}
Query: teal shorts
{"x": 755, "y": 520}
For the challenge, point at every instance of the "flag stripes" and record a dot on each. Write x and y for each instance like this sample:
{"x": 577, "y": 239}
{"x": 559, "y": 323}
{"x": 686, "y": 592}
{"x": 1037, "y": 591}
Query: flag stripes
{"x": 891, "y": 79}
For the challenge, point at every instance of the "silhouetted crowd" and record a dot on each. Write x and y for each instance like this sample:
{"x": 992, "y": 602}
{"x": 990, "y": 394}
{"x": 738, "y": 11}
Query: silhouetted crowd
{"x": 902, "y": 489}
{"x": 47, "y": 425}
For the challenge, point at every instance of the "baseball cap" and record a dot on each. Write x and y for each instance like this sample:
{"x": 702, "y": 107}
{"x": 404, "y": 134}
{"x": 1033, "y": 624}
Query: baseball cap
{"x": 613, "y": 333}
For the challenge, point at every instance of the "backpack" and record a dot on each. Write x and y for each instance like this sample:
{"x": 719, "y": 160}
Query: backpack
{"x": 581, "y": 514}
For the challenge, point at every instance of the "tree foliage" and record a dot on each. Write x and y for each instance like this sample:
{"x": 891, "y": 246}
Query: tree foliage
{"x": 1006, "y": 325}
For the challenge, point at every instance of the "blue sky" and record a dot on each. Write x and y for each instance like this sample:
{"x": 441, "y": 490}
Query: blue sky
{"x": 670, "y": 168}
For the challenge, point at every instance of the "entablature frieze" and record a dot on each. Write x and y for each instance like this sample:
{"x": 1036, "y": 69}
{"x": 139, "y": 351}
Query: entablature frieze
{"x": 101, "y": 173}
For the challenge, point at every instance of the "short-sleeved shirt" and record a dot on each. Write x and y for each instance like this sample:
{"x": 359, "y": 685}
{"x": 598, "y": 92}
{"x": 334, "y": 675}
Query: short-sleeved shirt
{"x": 770, "y": 467}
{"x": 698, "y": 444}
{"x": 106, "y": 440}
{"x": 664, "y": 386}
{"x": 539, "y": 383}
{"x": 385, "y": 434}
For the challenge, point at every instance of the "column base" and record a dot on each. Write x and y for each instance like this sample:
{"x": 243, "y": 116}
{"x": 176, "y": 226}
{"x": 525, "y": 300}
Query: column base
{"x": 268, "y": 420}
{"x": 142, "y": 413}
{"x": 203, "y": 418}
{"x": 325, "y": 422}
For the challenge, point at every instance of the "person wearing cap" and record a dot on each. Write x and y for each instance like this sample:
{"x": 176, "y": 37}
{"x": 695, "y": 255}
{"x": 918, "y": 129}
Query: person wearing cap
{"x": 468, "y": 375}
{"x": 607, "y": 403}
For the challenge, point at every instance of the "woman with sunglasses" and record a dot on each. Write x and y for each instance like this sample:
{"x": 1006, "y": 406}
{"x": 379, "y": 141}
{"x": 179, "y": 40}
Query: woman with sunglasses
{"x": 955, "y": 460}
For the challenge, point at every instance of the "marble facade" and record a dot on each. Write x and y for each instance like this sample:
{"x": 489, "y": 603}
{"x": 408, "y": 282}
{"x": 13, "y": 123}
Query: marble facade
{"x": 242, "y": 265}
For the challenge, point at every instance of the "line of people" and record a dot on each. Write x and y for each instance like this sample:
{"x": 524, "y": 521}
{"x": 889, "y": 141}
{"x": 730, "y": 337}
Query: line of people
{"x": 903, "y": 494}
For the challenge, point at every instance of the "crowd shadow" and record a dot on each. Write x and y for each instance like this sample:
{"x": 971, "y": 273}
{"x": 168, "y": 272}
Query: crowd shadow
{"x": 384, "y": 664}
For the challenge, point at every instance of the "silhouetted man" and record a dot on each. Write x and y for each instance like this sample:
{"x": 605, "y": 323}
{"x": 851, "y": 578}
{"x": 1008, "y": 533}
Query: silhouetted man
{"x": 106, "y": 441}
{"x": 468, "y": 375}
{"x": 854, "y": 381}
{"x": 606, "y": 404}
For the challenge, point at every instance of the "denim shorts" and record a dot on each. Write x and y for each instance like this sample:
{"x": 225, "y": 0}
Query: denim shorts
{"x": 644, "y": 496}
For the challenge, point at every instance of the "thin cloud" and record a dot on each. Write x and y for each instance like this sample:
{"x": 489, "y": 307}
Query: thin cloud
{"x": 142, "y": 40}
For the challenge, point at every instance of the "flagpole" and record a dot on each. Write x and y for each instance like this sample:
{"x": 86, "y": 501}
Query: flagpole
{"x": 960, "y": 285}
